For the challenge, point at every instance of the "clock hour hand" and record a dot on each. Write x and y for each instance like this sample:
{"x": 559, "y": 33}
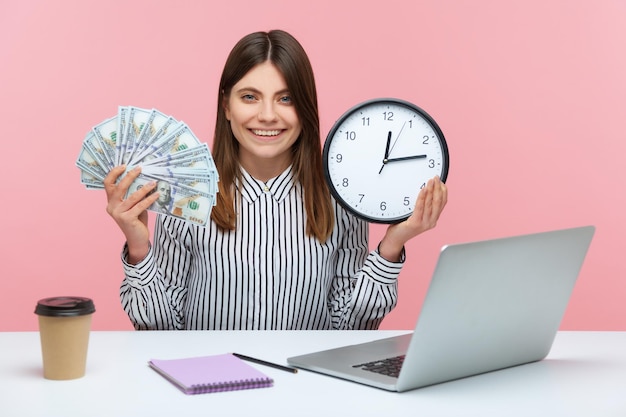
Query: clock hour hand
{"x": 405, "y": 158}
{"x": 386, "y": 152}
{"x": 387, "y": 147}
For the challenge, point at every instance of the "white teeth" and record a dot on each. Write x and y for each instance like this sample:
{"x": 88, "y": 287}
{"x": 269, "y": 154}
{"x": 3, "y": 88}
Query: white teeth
{"x": 266, "y": 132}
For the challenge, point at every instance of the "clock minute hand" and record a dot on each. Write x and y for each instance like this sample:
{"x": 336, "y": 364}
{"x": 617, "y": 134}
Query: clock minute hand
{"x": 405, "y": 158}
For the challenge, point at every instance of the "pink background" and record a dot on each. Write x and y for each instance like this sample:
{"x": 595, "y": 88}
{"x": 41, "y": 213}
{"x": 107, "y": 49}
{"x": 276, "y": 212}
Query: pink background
{"x": 529, "y": 94}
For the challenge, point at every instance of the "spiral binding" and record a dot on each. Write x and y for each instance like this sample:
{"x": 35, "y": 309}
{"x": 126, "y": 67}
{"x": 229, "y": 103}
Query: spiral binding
{"x": 232, "y": 385}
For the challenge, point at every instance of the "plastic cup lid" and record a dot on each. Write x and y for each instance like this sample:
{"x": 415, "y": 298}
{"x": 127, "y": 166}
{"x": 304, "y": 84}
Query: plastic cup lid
{"x": 65, "y": 306}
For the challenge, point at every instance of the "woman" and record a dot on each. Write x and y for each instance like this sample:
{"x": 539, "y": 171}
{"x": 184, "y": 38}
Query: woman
{"x": 279, "y": 252}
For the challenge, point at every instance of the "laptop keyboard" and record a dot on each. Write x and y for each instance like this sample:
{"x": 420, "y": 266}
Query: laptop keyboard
{"x": 390, "y": 366}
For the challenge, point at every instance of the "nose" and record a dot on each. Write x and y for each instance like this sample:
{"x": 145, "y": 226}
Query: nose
{"x": 267, "y": 113}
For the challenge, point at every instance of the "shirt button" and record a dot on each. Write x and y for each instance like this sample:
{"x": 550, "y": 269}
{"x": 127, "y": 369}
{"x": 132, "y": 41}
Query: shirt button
{"x": 266, "y": 189}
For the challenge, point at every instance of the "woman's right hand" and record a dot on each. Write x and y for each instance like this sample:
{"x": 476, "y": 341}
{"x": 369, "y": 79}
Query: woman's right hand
{"x": 130, "y": 214}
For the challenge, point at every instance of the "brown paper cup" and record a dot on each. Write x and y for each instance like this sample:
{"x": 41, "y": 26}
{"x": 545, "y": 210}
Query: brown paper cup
{"x": 64, "y": 326}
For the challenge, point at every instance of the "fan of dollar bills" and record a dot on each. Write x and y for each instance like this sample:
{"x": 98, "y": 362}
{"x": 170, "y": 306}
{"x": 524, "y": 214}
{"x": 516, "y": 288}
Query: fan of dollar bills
{"x": 166, "y": 150}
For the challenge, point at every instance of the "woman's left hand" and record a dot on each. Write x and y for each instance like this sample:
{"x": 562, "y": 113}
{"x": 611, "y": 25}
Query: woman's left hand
{"x": 430, "y": 203}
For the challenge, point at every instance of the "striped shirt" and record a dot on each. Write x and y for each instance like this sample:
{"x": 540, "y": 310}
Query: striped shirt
{"x": 267, "y": 274}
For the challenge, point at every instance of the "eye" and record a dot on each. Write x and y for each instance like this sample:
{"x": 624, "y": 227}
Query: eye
{"x": 285, "y": 100}
{"x": 248, "y": 97}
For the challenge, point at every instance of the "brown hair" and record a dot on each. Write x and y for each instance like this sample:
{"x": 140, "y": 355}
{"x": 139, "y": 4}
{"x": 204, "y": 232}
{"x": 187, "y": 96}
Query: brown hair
{"x": 286, "y": 53}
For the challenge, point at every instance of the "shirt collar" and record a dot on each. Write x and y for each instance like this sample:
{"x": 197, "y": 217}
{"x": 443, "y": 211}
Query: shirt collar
{"x": 278, "y": 187}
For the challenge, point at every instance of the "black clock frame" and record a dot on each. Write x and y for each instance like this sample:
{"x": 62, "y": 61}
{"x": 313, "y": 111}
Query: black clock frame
{"x": 347, "y": 114}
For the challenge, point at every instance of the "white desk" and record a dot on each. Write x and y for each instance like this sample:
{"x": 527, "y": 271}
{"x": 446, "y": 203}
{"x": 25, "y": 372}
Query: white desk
{"x": 584, "y": 375}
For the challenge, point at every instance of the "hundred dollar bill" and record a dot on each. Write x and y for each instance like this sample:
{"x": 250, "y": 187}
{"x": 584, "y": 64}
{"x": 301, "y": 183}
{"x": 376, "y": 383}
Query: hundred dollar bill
{"x": 168, "y": 153}
{"x": 204, "y": 183}
{"x": 181, "y": 158}
{"x": 202, "y": 186}
{"x": 95, "y": 150}
{"x": 200, "y": 166}
{"x": 120, "y": 142}
{"x": 179, "y": 202}
{"x": 106, "y": 134}
{"x": 200, "y": 170}
{"x": 156, "y": 127}
{"x": 137, "y": 119}
{"x": 90, "y": 181}
{"x": 86, "y": 162}
{"x": 176, "y": 140}
{"x": 194, "y": 163}
{"x": 174, "y": 173}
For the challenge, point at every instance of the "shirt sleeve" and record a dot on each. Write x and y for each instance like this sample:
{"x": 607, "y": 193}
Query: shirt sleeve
{"x": 154, "y": 290}
{"x": 365, "y": 288}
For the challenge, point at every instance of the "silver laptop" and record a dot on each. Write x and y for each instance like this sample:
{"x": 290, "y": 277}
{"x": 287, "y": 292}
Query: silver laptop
{"x": 490, "y": 305}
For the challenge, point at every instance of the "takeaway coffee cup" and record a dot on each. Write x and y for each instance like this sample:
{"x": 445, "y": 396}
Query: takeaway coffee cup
{"x": 64, "y": 325}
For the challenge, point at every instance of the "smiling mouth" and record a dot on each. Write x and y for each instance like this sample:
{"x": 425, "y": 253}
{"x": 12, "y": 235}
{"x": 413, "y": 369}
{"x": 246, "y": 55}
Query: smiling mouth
{"x": 266, "y": 133}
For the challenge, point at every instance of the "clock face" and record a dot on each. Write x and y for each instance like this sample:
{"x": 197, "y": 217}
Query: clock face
{"x": 379, "y": 155}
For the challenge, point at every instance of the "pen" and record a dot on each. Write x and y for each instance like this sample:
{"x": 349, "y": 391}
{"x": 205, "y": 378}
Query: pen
{"x": 262, "y": 362}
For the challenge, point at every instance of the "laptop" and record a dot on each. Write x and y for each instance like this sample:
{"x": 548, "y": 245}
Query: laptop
{"x": 490, "y": 305}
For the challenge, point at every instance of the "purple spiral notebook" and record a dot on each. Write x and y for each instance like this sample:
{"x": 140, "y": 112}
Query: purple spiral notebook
{"x": 205, "y": 374}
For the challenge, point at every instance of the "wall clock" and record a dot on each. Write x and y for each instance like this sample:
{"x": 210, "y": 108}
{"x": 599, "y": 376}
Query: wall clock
{"x": 379, "y": 154}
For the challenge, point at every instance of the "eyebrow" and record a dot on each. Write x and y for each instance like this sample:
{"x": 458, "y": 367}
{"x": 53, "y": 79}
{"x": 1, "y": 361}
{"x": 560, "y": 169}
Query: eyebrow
{"x": 254, "y": 90}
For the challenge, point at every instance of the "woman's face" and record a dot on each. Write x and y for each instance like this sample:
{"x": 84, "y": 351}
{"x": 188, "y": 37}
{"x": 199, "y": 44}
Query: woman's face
{"x": 263, "y": 119}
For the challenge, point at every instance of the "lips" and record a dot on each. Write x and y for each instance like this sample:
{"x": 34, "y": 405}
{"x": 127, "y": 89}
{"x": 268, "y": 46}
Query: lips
{"x": 266, "y": 133}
